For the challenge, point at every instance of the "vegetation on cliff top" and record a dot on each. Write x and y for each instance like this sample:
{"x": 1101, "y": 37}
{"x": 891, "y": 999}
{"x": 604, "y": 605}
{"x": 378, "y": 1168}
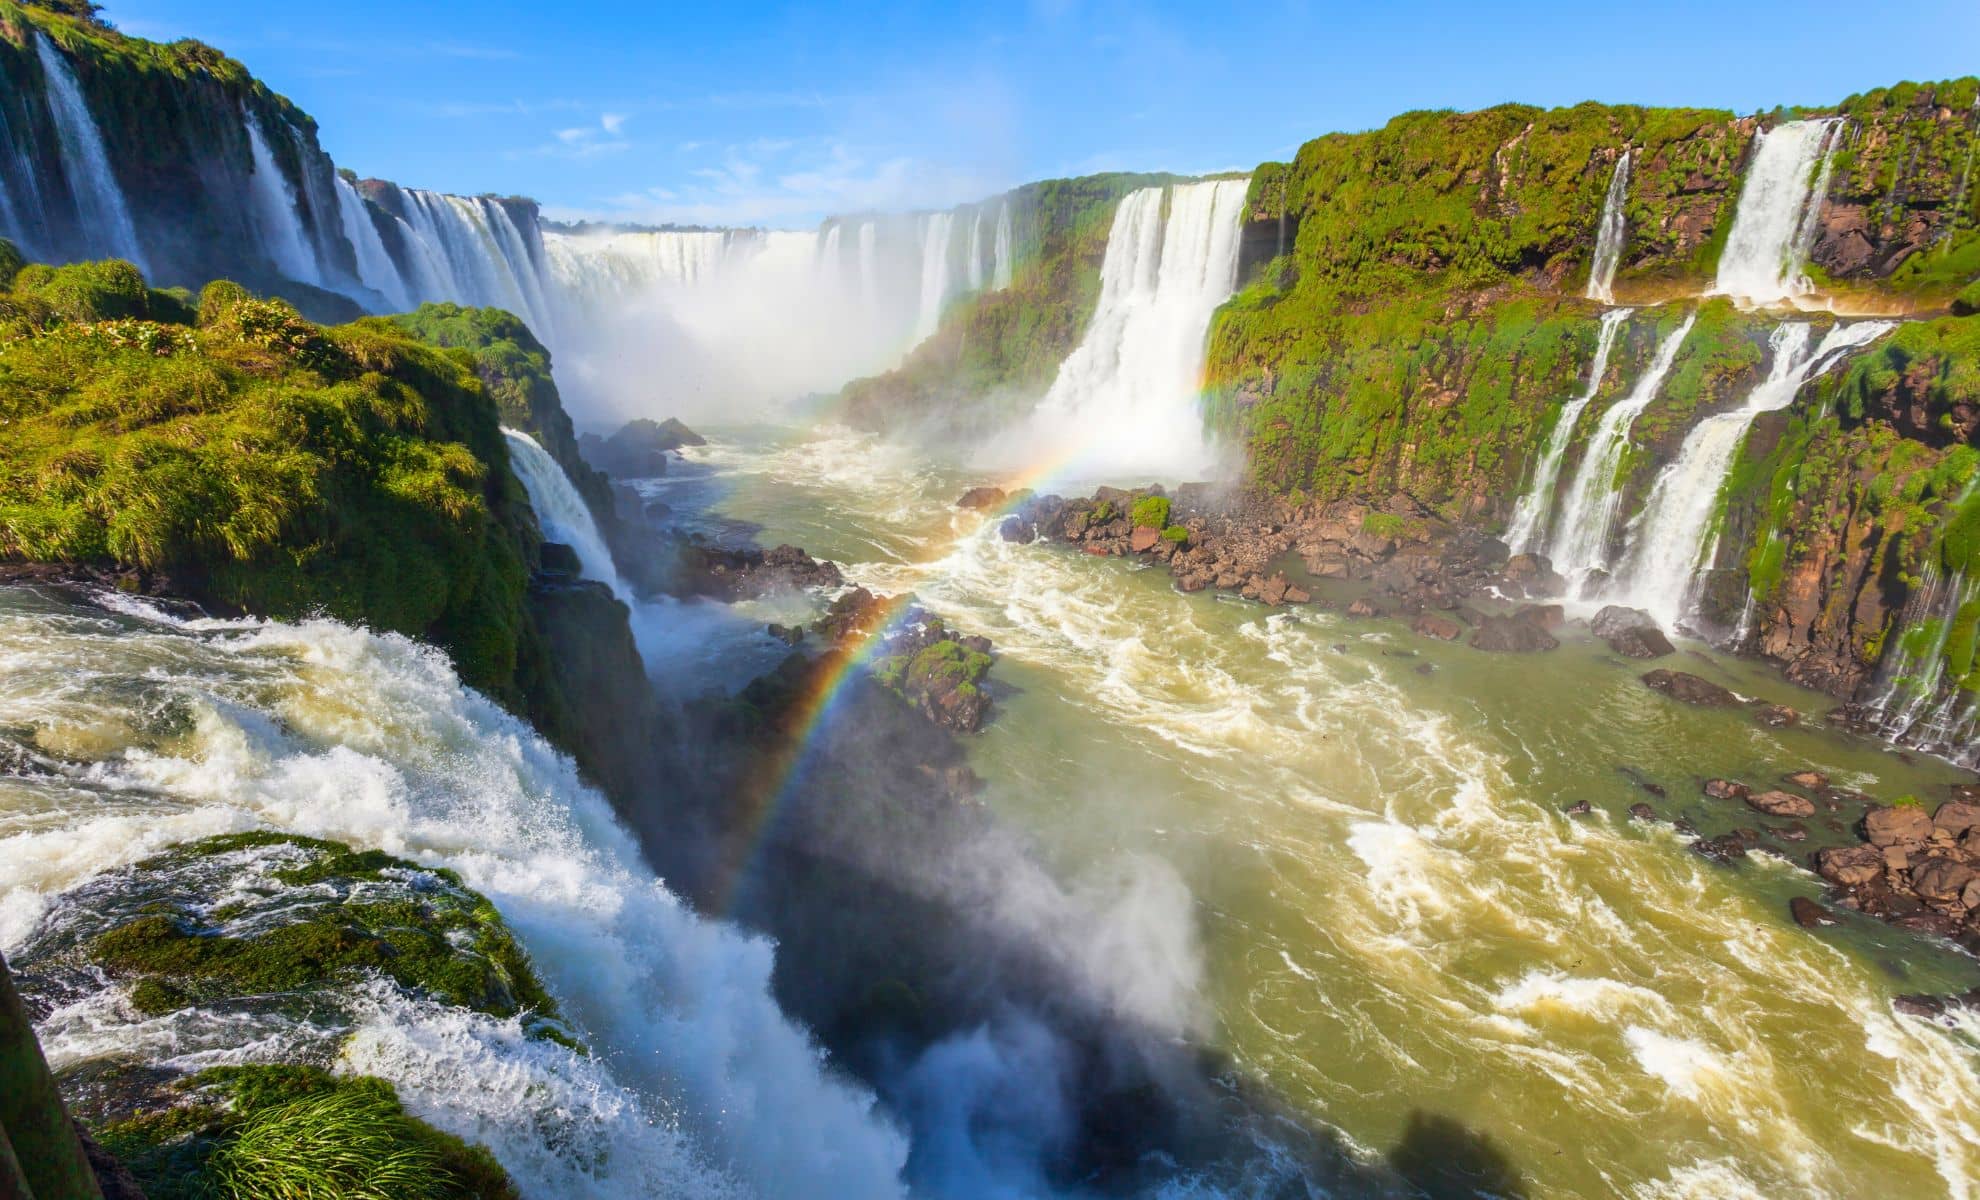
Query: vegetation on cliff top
{"x": 260, "y": 461}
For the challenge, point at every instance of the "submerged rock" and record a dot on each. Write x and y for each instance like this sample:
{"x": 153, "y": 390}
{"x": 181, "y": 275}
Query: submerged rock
{"x": 979, "y": 499}
{"x": 1780, "y": 804}
{"x": 1689, "y": 688}
{"x": 1810, "y": 915}
{"x": 1511, "y": 635}
{"x": 1433, "y": 626}
{"x": 1725, "y": 789}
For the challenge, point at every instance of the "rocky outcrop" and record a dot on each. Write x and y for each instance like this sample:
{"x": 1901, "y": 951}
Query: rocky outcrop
{"x": 732, "y": 573}
{"x": 639, "y": 449}
{"x": 1919, "y": 872}
{"x": 1689, "y": 688}
{"x": 1630, "y": 632}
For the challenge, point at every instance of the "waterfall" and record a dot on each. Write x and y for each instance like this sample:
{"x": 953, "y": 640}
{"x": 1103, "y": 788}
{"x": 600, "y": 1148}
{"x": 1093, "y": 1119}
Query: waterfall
{"x": 937, "y": 229}
{"x": 102, "y": 217}
{"x": 375, "y": 267}
{"x": 696, "y": 1085}
{"x": 976, "y": 250}
{"x": 1129, "y": 393}
{"x": 1581, "y": 541}
{"x": 1673, "y": 545}
{"x": 830, "y": 255}
{"x": 22, "y": 216}
{"x": 273, "y": 204}
{"x": 1916, "y": 704}
{"x": 561, "y": 512}
{"x": 1609, "y": 235}
{"x": 1778, "y": 212}
{"x": 1528, "y": 529}
{"x": 1000, "y": 278}
{"x": 476, "y": 250}
{"x": 866, "y": 260}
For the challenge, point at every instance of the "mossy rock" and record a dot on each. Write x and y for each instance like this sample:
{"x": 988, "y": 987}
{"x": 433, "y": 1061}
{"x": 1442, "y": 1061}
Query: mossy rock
{"x": 1151, "y": 512}
{"x": 306, "y": 917}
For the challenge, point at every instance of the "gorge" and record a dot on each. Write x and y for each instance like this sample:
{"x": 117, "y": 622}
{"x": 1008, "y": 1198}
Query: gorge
{"x": 1131, "y": 685}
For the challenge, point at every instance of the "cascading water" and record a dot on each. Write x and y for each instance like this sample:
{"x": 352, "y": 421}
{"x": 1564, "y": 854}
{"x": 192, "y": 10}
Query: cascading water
{"x": 1609, "y": 235}
{"x": 104, "y": 220}
{"x": 867, "y": 270}
{"x": 976, "y": 250}
{"x": 1528, "y": 529}
{"x": 375, "y": 267}
{"x": 1779, "y": 207}
{"x": 1126, "y": 399}
{"x": 561, "y": 512}
{"x": 273, "y": 204}
{"x": 1917, "y": 704}
{"x": 480, "y": 256}
{"x": 1673, "y": 540}
{"x": 696, "y": 1086}
{"x": 937, "y": 230}
{"x": 1000, "y": 276}
{"x": 1581, "y": 539}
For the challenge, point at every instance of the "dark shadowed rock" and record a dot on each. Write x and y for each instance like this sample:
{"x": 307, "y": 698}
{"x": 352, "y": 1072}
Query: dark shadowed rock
{"x": 980, "y": 498}
{"x": 1630, "y": 632}
{"x": 1689, "y": 688}
{"x": 1643, "y": 812}
{"x": 1810, "y": 915}
{"x": 1726, "y": 849}
{"x": 1781, "y": 804}
{"x": 1509, "y": 634}
{"x": 639, "y": 449}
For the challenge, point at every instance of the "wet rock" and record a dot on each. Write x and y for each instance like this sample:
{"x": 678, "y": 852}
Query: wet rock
{"x": 790, "y": 635}
{"x": 1810, "y": 915}
{"x": 1813, "y": 780}
{"x": 1795, "y": 832}
{"x": 1689, "y": 688}
{"x": 1547, "y": 616}
{"x": 1956, "y": 817}
{"x": 639, "y": 449}
{"x": 979, "y": 499}
{"x": 1850, "y": 866}
{"x": 1942, "y": 879}
{"x": 1511, "y": 635}
{"x": 1896, "y": 825}
{"x": 1642, "y": 812}
{"x": 1781, "y": 804}
{"x": 1273, "y": 591}
{"x": 557, "y": 559}
{"x": 1580, "y": 808}
{"x": 1725, "y": 849}
{"x": 1630, "y": 632}
{"x": 1725, "y": 789}
{"x": 1440, "y": 627}
{"x": 1776, "y": 716}
{"x": 1363, "y": 607}
{"x": 1144, "y": 539}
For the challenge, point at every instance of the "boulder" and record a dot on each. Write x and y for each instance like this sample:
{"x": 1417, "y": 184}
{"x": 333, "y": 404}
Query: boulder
{"x": 1689, "y": 688}
{"x": 1509, "y": 634}
{"x": 1725, "y": 789}
{"x": 1896, "y": 825}
{"x": 1957, "y": 816}
{"x": 1547, "y": 616}
{"x": 1776, "y": 716}
{"x": 1850, "y": 866}
{"x": 1272, "y": 591}
{"x": 1144, "y": 539}
{"x": 1813, "y": 780}
{"x": 639, "y": 449}
{"x": 1781, "y": 804}
{"x": 1810, "y": 915}
{"x": 1363, "y": 607}
{"x": 1942, "y": 879}
{"x": 1630, "y": 632}
{"x": 1440, "y": 627}
{"x": 980, "y": 498}
{"x": 1642, "y": 812}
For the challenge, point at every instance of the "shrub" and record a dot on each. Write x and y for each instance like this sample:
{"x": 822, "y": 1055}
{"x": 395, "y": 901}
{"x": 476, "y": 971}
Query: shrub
{"x": 1175, "y": 533}
{"x": 87, "y": 291}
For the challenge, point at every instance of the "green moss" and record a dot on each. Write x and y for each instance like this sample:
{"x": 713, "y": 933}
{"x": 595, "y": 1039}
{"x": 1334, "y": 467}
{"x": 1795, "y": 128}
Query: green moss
{"x": 1151, "y": 512}
{"x": 1967, "y": 303}
{"x": 438, "y": 938}
{"x": 264, "y": 462}
{"x": 1175, "y": 533}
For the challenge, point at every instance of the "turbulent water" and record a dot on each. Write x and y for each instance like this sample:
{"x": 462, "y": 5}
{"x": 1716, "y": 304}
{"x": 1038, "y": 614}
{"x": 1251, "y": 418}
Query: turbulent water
{"x": 137, "y": 732}
{"x": 1779, "y": 205}
{"x": 1126, "y": 401}
{"x": 1393, "y": 916}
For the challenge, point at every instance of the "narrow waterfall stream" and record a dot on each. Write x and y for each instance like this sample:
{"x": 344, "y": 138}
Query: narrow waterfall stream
{"x": 1528, "y": 528}
{"x": 1773, "y": 226}
{"x": 1609, "y": 235}
{"x": 1580, "y": 545}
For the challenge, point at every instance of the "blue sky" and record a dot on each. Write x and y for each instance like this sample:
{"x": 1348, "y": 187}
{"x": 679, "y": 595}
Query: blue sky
{"x": 770, "y": 114}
